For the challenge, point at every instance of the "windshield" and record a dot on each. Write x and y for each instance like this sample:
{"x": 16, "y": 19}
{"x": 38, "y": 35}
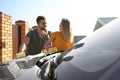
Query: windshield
{"x": 99, "y": 50}
{"x": 92, "y": 61}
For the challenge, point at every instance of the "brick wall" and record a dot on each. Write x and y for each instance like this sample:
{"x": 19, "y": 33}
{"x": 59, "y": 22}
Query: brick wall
{"x": 19, "y": 31}
{"x": 5, "y": 37}
{"x": 11, "y": 36}
{"x": 23, "y": 25}
{"x": 0, "y": 36}
{"x": 15, "y": 40}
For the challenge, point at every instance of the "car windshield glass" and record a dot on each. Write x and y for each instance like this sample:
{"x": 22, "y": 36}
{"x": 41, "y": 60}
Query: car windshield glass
{"x": 99, "y": 50}
{"x": 94, "y": 60}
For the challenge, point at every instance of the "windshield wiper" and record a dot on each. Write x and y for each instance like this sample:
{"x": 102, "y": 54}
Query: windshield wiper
{"x": 49, "y": 63}
{"x": 73, "y": 47}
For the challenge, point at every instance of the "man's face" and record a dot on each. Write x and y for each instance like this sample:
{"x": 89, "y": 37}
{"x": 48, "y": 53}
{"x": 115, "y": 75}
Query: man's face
{"x": 42, "y": 25}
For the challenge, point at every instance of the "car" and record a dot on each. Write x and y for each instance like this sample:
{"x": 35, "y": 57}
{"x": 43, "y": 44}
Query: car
{"x": 96, "y": 57}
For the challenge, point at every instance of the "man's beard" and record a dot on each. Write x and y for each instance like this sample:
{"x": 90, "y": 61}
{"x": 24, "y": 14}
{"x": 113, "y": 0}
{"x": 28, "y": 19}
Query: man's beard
{"x": 42, "y": 28}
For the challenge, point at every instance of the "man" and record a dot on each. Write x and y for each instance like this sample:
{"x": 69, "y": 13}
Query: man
{"x": 35, "y": 40}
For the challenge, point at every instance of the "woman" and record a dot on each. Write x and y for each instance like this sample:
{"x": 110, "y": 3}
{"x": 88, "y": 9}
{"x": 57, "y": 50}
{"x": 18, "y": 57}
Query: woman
{"x": 62, "y": 39}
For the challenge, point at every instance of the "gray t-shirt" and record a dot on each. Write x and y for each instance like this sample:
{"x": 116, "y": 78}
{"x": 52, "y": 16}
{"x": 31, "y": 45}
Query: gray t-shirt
{"x": 36, "y": 42}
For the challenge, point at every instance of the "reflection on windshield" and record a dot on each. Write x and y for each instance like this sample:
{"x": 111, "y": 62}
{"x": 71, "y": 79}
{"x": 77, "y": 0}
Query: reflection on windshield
{"x": 94, "y": 60}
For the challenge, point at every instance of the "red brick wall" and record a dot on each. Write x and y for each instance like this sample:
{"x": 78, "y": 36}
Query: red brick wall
{"x": 24, "y": 27}
{"x": 19, "y": 31}
{"x": 6, "y": 37}
{"x": 15, "y": 40}
{"x": 11, "y": 36}
{"x": 0, "y": 36}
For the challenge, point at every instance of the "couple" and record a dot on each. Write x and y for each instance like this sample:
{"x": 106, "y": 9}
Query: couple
{"x": 36, "y": 40}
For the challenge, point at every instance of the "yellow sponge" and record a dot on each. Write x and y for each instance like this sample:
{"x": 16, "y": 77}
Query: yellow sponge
{"x": 20, "y": 55}
{"x": 50, "y": 50}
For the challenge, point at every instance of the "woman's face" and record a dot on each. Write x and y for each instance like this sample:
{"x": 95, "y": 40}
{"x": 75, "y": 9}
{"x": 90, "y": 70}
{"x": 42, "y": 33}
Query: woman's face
{"x": 60, "y": 27}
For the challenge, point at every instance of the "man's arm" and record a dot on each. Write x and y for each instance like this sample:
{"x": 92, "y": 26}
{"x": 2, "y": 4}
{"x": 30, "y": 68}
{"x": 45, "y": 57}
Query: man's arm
{"x": 24, "y": 44}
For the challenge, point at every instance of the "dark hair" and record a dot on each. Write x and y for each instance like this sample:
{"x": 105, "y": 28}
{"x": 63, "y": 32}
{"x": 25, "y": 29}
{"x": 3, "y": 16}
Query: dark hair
{"x": 39, "y": 18}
